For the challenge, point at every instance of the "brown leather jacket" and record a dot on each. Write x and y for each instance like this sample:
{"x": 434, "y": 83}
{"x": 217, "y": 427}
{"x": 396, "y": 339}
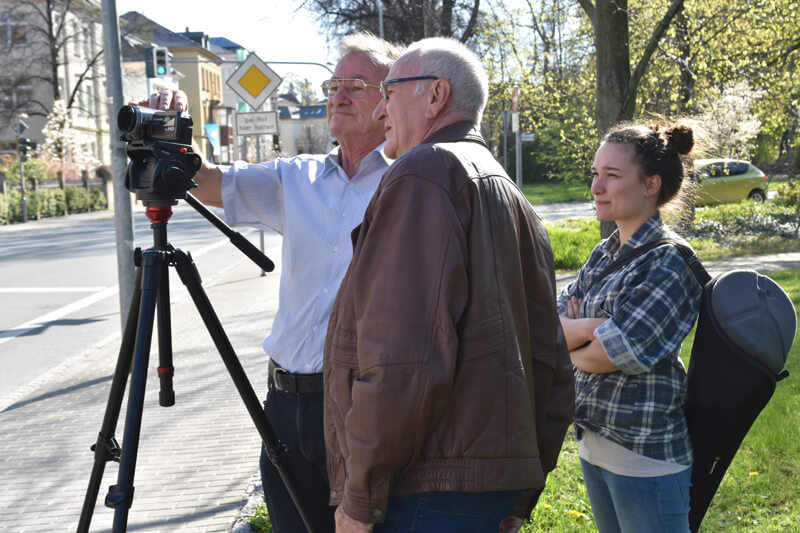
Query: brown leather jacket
{"x": 446, "y": 368}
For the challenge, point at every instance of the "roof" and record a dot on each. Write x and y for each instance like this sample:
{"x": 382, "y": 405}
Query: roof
{"x": 223, "y": 42}
{"x": 153, "y": 32}
{"x": 312, "y": 111}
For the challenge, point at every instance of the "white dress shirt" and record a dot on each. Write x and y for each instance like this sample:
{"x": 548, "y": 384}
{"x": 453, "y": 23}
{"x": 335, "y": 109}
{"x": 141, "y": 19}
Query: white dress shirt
{"x": 311, "y": 202}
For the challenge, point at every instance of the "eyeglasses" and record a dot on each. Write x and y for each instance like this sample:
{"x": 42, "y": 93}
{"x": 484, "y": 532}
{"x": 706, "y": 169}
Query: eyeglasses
{"x": 355, "y": 87}
{"x": 399, "y": 80}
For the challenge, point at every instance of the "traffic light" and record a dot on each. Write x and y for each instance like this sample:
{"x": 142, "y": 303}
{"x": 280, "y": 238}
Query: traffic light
{"x": 23, "y": 145}
{"x": 160, "y": 61}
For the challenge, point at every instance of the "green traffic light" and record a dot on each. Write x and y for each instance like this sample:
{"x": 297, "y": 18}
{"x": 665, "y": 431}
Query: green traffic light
{"x": 161, "y": 70}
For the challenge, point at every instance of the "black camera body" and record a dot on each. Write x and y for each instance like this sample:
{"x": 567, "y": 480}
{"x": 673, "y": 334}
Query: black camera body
{"x": 159, "y": 146}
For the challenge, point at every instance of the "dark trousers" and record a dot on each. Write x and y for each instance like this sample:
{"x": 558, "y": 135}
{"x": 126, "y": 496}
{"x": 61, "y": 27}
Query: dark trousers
{"x": 450, "y": 512}
{"x": 297, "y": 421}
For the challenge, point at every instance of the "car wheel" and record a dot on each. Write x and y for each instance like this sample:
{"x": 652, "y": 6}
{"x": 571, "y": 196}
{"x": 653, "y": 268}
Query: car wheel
{"x": 757, "y": 196}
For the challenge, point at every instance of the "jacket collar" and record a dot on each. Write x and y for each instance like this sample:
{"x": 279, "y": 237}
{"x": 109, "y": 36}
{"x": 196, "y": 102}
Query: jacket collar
{"x": 457, "y": 131}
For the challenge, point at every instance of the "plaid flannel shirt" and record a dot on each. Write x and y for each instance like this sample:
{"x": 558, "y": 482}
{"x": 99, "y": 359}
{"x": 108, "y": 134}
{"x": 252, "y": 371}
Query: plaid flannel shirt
{"x": 652, "y": 304}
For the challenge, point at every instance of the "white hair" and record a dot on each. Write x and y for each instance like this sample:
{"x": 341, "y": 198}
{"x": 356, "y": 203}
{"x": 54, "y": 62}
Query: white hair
{"x": 452, "y": 60}
{"x": 382, "y": 53}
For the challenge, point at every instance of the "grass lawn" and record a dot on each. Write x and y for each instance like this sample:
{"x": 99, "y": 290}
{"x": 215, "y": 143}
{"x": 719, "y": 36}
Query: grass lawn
{"x": 759, "y": 493}
{"x": 556, "y": 191}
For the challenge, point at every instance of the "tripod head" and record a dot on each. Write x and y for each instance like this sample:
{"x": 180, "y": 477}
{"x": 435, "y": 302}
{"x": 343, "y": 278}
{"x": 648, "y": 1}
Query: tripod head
{"x": 162, "y": 163}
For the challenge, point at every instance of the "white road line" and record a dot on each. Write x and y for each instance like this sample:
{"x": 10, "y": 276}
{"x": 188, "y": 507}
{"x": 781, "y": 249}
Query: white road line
{"x": 101, "y": 294}
{"x": 39, "y": 322}
{"x": 47, "y": 290}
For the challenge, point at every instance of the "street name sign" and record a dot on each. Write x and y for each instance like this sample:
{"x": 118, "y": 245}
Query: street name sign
{"x": 254, "y": 81}
{"x": 259, "y": 123}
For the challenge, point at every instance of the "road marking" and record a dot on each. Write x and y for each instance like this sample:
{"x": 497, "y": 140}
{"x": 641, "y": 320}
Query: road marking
{"x": 40, "y": 322}
{"x": 47, "y": 290}
{"x": 101, "y": 294}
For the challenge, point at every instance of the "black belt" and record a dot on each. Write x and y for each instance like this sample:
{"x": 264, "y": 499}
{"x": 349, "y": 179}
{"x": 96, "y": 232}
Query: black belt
{"x": 295, "y": 383}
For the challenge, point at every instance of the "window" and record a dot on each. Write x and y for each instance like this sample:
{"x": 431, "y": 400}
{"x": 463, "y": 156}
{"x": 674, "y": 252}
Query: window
{"x": 12, "y": 33}
{"x": 14, "y": 97}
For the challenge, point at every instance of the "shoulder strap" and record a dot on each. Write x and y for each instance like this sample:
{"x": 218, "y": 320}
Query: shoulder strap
{"x": 699, "y": 272}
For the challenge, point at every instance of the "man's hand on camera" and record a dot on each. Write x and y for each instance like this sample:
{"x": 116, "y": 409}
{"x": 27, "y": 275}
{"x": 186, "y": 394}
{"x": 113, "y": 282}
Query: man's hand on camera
{"x": 209, "y": 177}
{"x": 165, "y": 100}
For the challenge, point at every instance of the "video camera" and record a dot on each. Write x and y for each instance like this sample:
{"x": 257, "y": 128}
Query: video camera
{"x": 162, "y": 163}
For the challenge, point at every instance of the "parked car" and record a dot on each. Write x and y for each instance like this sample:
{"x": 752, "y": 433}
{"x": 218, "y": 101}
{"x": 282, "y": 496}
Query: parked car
{"x": 722, "y": 181}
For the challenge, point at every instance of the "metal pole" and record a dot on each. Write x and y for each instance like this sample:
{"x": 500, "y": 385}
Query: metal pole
{"x": 23, "y": 201}
{"x": 380, "y": 18}
{"x": 123, "y": 216}
{"x": 505, "y": 141}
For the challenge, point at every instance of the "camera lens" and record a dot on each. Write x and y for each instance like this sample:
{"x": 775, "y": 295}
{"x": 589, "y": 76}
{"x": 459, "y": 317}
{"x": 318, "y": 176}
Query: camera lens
{"x": 126, "y": 119}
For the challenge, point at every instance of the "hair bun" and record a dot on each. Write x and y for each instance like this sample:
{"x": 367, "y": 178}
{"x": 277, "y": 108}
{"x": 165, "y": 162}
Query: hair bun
{"x": 680, "y": 138}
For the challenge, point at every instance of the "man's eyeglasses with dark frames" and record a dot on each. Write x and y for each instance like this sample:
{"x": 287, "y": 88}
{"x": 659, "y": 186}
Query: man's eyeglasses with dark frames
{"x": 355, "y": 87}
{"x": 399, "y": 80}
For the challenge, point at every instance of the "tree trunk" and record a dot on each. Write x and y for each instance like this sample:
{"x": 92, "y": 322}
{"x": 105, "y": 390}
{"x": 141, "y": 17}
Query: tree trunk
{"x": 613, "y": 61}
{"x": 686, "y": 90}
{"x": 613, "y": 71}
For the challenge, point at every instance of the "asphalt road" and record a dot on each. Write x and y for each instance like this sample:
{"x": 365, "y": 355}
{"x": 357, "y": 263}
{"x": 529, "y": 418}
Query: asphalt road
{"x": 58, "y": 284}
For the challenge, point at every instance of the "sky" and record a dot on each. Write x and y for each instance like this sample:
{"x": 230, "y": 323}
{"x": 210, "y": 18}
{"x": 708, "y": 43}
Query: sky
{"x": 274, "y": 29}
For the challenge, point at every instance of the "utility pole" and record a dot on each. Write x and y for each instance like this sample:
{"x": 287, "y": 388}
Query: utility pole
{"x": 123, "y": 217}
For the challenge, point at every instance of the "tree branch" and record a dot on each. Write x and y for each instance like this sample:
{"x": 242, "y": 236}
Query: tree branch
{"x": 642, "y": 64}
{"x": 588, "y": 8}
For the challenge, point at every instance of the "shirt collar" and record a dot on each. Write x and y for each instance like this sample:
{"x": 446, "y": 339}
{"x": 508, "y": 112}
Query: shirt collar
{"x": 646, "y": 233}
{"x": 376, "y": 157}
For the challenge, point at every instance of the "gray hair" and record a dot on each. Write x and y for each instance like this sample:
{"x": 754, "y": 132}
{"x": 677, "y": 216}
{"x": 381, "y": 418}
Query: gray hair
{"x": 382, "y": 53}
{"x": 452, "y": 60}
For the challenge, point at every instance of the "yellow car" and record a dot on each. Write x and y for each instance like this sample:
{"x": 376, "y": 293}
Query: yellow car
{"x": 722, "y": 181}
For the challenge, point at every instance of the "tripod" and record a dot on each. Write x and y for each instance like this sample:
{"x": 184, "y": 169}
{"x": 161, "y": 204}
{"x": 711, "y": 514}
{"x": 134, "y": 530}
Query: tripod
{"x": 151, "y": 292}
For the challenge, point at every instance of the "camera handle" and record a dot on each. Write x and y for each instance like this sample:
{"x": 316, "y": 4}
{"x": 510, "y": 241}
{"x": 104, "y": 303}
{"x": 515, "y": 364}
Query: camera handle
{"x": 238, "y": 240}
{"x": 151, "y": 273}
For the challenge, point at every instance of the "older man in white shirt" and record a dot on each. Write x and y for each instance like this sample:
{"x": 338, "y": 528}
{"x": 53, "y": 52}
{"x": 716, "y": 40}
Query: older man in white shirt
{"x": 314, "y": 201}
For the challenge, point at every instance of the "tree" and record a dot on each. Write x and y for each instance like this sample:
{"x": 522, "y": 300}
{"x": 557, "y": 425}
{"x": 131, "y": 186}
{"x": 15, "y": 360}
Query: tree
{"x": 617, "y": 84}
{"x": 63, "y": 146}
{"x": 404, "y": 21}
{"x": 730, "y": 122}
{"x": 51, "y": 28}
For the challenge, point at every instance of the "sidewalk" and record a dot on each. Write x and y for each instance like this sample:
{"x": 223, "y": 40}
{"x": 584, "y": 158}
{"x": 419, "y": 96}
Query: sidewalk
{"x": 195, "y": 459}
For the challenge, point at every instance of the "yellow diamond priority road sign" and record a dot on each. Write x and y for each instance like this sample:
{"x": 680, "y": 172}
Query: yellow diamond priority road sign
{"x": 254, "y": 81}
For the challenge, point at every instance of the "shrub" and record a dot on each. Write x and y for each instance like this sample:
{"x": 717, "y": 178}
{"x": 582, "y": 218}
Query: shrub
{"x": 50, "y": 202}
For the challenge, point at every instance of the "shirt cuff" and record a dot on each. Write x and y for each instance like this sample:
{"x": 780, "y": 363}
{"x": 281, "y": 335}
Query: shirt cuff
{"x": 616, "y": 346}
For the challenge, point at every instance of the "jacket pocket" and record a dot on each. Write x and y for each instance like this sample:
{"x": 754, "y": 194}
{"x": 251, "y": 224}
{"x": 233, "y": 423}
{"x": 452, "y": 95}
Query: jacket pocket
{"x": 481, "y": 338}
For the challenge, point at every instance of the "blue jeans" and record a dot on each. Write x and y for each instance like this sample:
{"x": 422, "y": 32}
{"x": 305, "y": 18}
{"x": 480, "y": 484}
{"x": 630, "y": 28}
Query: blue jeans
{"x": 451, "y": 512}
{"x": 624, "y": 504}
{"x": 297, "y": 422}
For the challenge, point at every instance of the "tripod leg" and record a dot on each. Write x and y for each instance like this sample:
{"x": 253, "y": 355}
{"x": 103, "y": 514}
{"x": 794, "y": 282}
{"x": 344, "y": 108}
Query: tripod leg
{"x": 166, "y": 394}
{"x": 276, "y": 451}
{"x": 106, "y": 448}
{"x": 120, "y": 496}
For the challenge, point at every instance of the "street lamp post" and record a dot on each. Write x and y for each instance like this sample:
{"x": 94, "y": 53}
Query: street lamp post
{"x": 22, "y": 149}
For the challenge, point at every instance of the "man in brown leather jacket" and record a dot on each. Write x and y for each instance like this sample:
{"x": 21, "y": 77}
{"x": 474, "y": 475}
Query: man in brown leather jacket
{"x": 448, "y": 385}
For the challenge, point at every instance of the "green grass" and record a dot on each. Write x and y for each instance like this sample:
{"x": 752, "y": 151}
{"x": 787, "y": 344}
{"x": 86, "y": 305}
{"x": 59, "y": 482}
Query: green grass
{"x": 556, "y": 191}
{"x": 572, "y": 241}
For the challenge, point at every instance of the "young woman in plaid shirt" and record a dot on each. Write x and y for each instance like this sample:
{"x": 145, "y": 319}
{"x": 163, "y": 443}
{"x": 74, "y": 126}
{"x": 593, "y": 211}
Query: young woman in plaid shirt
{"x": 625, "y": 335}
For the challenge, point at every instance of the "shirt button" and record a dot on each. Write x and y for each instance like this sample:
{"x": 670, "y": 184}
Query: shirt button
{"x": 377, "y": 513}
{"x": 315, "y": 329}
{"x": 344, "y": 215}
{"x": 333, "y": 495}
{"x": 325, "y": 290}
{"x": 336, "y": 249}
